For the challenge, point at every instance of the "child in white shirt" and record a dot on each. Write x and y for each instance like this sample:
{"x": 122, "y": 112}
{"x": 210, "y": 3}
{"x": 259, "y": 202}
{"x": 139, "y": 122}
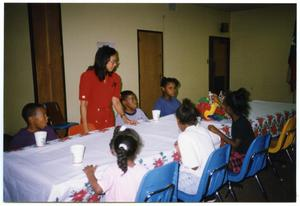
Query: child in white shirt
{"x": 120, "y": 182}
{"x": 130, "y": 106}
{"x": 194, "y": 146}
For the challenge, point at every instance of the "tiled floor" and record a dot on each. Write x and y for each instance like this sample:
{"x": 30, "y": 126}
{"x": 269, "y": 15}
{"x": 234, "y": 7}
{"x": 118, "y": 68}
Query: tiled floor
{"x": 276, "y": 191}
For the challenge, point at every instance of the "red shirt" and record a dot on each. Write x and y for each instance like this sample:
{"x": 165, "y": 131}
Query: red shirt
{"x": 99, "y": 95}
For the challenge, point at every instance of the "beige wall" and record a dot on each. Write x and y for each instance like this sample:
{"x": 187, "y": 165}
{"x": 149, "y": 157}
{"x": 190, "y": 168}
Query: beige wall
{"x": 186, "y": 33}
{"x": 260, "y": 40}
{"x": 18, "y": 83}
{"x": 260, "y": 43}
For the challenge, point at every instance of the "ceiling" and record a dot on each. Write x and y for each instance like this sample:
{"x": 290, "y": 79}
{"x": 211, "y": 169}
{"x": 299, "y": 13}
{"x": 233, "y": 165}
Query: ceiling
{"x": 235, "y": 7}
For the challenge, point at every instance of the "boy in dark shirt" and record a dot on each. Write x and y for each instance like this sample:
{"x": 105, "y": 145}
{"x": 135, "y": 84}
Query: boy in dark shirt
{"x": 36, "y": 118}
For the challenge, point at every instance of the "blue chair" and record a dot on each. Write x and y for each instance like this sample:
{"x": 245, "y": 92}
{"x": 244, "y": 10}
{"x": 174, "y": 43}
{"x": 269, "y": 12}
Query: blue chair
{"x": 159, "y": 184}
{"x": 255, "y": 160}
{"x": 214, "y": 176}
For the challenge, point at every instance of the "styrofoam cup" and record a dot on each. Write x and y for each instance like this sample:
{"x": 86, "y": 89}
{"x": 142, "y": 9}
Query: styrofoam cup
{"x": 77, "y": 151}
{"x": 155, "y": 114}
{"x": 40, "y": 138}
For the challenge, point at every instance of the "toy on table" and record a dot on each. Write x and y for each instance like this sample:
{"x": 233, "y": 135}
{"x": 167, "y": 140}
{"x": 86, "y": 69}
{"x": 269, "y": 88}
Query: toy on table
{"x": 210, "y": 108}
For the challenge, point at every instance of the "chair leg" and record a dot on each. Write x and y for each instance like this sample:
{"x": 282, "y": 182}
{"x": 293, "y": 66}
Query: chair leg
{"x": 219, "y": 196}
{"x": 273, "y": 168}
{"x": 231, "y": 192}
{"x": 261, "y": 187}
{"x": 288, "y": 154}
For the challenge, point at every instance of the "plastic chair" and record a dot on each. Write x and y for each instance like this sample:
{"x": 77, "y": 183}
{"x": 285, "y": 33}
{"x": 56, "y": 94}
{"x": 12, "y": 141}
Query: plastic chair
{"x": 55, "y": 116}
{"x": 78, "y": 129}
{"x": 283, "y": 142}
{"x": 159, "y": 184}
{"x": 254, "y": 161}
{"x": 213, "y": 178}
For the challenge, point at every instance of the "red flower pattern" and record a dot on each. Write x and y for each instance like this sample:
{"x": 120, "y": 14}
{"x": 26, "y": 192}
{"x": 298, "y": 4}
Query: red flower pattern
{"x": 94, "y": 198}
{"x": 255, "y": 132}
{"x": 260, "y": 121}
{"x": 273, "y": 130}
{"x": 226, "y": 130}
{"x": 159, "y": 162}
{"x": 270, "y": 118}
{"x": 264, "y": 130}
{"x": 176, "y": 156}
{"x": 278, "y": 117}
{"x": 78, "y": 196}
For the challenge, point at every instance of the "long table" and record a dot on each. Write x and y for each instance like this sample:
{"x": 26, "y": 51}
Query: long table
{"x": 46, "y": 174}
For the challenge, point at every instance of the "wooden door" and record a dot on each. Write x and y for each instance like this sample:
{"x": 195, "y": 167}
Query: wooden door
{"x": 150, "y": 57}
{"x": 47, "y": 54}
{"x": 219, "y": 64}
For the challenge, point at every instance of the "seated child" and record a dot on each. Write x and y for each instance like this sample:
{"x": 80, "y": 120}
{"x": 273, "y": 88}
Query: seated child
{"x": 36, "y": 119}
{"x": 194, "y": 145}
{"x": 168, "y": 103}
{"x": 236, "y": 105}
{"x": 120, "y": 182}
{"x": 129, "y": 102}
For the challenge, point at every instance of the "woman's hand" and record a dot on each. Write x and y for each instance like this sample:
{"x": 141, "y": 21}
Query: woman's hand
{"x": 213, "y": 129}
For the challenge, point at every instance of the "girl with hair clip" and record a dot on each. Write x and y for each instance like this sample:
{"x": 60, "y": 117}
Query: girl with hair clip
{"x": 236, "y": 105}
{"x": 168, "y": 103}
{"x": 194, "y": 145}
{"x": 120, "y": 182}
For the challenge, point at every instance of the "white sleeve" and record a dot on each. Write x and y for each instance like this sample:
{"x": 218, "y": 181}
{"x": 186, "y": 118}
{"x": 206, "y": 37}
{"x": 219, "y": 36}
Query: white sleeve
{"x": 119, "y": 121}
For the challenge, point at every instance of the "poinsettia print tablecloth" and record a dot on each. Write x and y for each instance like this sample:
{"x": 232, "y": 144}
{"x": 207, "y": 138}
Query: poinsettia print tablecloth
{"x": 46, "y": 174}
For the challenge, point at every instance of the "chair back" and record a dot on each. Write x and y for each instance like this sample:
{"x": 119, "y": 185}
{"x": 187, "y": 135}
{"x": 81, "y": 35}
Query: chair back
{"x": 214, "y": 175}
{"x": 255, "y": 158}
{"x": 55, "y": 116}
{"x": 78, "y": 129}
{"x": 290, "y": 132}
{"x": 159, "y": 184}
{"x": 286, "y": 136}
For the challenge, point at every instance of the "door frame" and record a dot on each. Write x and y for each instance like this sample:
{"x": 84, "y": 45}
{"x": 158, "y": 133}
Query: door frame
{"x": 210, "y": 65}
{"x": 138, "y": 49}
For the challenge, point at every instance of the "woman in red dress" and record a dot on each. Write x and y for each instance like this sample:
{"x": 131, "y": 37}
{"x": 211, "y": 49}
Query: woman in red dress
{"x": 99, "y": 91}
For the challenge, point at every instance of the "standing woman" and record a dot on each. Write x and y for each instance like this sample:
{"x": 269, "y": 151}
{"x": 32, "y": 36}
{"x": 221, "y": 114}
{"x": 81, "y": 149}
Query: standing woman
{"x": 99, "y": 91}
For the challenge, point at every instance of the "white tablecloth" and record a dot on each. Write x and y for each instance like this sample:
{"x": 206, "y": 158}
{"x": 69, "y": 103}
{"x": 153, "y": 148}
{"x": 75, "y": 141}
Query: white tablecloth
{"x": 47, "y": 174}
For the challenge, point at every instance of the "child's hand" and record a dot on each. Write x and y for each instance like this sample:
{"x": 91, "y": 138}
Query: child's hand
{"x": 128, "y": 121}
{"x": 213, "y": 129}
{"x": 90, "y": 170}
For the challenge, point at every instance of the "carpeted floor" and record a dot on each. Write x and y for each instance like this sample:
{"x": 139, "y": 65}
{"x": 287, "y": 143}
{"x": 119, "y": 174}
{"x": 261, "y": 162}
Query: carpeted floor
{"x": 276, "y": 191}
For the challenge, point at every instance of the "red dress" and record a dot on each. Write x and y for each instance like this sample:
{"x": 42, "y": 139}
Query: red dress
{"x": 99, "y": 95}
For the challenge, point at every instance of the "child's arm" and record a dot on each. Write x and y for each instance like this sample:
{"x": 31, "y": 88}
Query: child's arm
{"x": 90, "y": 173}
{"x": 223, "y": 137}
{"x": 119, "y": 109}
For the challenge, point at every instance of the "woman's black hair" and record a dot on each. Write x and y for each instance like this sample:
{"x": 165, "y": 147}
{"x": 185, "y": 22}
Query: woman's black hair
{"x": 102, "y": 57}
{"x": 29, "y": 110}
{"x": 166, "y": 80}
{"x": 238, "y": 101}
{"x": 126, "y": 144}
{"x": 187, "y": 113}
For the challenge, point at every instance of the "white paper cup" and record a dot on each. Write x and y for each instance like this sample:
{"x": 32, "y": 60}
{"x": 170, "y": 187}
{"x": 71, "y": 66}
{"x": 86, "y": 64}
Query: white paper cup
{"x": 155, "y": 115}
{"x": 77, "y": 151}
{"x": 40, "y": 138}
